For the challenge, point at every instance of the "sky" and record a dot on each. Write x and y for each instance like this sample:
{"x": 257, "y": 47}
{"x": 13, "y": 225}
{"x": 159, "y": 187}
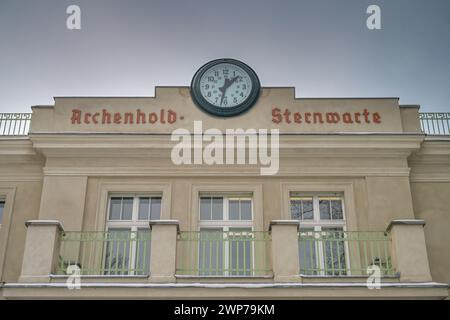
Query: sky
{"x": 323, "y": 48}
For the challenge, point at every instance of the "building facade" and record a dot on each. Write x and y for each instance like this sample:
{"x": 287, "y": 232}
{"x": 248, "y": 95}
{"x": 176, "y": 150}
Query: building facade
{"x": 93, "y": 205}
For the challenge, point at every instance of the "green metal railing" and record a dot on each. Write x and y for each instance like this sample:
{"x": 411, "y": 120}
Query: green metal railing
{"x": 114, "y": 252}
{"x": 224, "y": 253}
{"x": 435, "y": 123}
{"x": 344, "y": 253}
{"x": 14, "y": 124}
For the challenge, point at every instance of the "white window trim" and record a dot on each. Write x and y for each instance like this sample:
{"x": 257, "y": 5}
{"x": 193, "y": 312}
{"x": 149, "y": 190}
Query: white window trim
{"x": 318, "y": 225}
{"x": 225, "y": 224}
{"x": 133, "y": 225}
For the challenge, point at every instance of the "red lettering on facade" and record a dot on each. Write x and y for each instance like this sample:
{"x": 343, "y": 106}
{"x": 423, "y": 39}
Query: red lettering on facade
{"x": 106, "y": 117}
{"x": 347, "y": 118}
{"x": 318, "y": 117}
{"x": 76, "y": 116}
{"x": 376, "y": 117}
{"x": 280, "y": 116}
{"x": 286, "y": 114}
{"x": 129, "y": 118}
{"x": 276, "y": 115}
{"x": 140, "y": 118}
{"x": 333, "y": 117}
{"x": 307, "y": 117}
{"x": 95, "y": 118}
{"x": 366, "y": 115}
{"x": 137, "y": 117}
{"x": 172, "y": 116}
{"x": 153, "y": 117}
{"x": 117, "y": 118}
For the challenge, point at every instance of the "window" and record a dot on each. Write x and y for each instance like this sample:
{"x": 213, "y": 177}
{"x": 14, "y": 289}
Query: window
{"x": 128, "y": 235}
{"x": 2, "y": 208}
{"x": 322, "y": 225}
{"x": 225, "y": 239}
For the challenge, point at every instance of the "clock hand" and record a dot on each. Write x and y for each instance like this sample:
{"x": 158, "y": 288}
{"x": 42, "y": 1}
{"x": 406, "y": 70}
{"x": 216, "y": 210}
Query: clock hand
{"x": 226, "y": 85}
{"x": 223, "y": 89}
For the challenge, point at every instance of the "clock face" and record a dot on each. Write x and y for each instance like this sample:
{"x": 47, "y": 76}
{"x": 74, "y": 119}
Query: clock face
{"x": 225, "y": 87}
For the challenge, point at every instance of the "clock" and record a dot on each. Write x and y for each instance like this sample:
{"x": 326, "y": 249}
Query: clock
{"x": 225, "y": 87}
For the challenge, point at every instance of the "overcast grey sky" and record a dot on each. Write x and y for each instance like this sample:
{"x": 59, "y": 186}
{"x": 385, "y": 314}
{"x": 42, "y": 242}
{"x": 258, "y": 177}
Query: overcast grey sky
{"x": 321, "y": 47}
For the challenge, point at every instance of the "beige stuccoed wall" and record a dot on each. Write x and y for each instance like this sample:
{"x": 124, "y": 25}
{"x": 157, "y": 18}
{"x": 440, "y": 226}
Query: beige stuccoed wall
{"x": 432, "y": 204}
{"x": 390, "y": 199}
{"x": 430, "y": 187}
{"x": 21, "y": 183}
{"x": 58, "y": 118}
{"x": 63, "y": 199}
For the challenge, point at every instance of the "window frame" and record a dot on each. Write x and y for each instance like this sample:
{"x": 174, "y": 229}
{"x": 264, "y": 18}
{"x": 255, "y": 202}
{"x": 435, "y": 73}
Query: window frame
{"x": 227, "y": 225}
{"x": 133, "y": 225}
{"x": 317, "y": 225}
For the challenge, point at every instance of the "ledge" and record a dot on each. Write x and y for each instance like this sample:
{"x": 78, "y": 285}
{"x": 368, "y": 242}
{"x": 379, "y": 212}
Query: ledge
{"x": 229, "y": 285}
{"x": 401, "y": 290}
{"x": 165, "y": 223}
{"x": 45, "y": 223}
{"x": 284, "y": 223}
{"x": 405, "y": 222}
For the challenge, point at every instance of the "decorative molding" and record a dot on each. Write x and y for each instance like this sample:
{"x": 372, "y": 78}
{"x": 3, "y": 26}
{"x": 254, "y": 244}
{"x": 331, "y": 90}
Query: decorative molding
{"x": 225, "y": 170}
{"x": 430, "y": 177}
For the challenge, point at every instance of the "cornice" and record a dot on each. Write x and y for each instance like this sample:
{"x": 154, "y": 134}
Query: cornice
{"x": 145, "y": 145}
{"x": 225, "y": 171}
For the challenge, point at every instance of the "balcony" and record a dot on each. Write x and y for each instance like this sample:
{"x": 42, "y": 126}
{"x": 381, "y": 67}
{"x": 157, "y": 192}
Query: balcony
{"x": 345, "y": 253}
{"x": 14, "y": 124}
{"x": 105, "y": 253}
{"x": 224, "y": 254}
{"x": 281, "y": 262}
{"x": 434, "y": 123}
{"x": 282, "y": 254}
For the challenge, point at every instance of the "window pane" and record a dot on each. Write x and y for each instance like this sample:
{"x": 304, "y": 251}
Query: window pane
{"x": 308, "y": 210}
{"x": 233, "y": 209}
{"x": 217, "y": 209}
{"x": 246, "y": 210}
{"x": 127, "y": 208}
{"x": 117, "y": 254}
{"x": 155, "y": 211}
{"x": 336, "y": 210}
{"x": 144, "y": 208}
{"x": 205, "y": 208}
{"x": 143, "y": 252}
{"x": 2, "y": 208}
{"x": 114, "y": 211}
{"x": 296, "y": 209}
{"x": 324, "y": 206}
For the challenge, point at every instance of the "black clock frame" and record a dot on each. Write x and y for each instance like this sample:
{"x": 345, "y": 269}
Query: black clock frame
{"x": 244, "y": 106}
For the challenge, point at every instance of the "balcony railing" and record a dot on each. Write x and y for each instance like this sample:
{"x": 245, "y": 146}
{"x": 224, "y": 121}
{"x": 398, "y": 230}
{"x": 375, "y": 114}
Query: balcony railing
{"x": 115, "y": 252}
{"x": 14, "y": 124}
{"x": 435, "y": 123}
{"x": 224, "y": 253}
{"x": 344, "y": 253}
